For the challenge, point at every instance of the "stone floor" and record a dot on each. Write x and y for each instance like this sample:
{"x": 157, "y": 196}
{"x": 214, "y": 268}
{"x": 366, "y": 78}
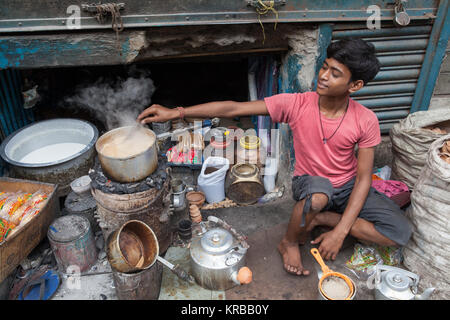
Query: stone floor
{"x": 264, "y": 226}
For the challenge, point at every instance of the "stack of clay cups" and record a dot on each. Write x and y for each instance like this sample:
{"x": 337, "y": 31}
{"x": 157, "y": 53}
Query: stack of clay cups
{"x": 195, "y": 214}
{"x": 196, "y": 200}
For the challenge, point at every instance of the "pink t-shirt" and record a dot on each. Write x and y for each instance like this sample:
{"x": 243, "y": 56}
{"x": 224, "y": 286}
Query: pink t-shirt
{"x": 336, "y": 159}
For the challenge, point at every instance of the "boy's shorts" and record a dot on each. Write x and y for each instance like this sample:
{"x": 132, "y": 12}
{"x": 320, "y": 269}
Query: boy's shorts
{"x": 385, "y": 214}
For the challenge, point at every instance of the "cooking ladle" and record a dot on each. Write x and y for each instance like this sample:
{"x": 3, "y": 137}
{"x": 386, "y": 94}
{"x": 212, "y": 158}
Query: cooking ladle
{"x": 327, "y": 272}
{"x": 176, "y": 269}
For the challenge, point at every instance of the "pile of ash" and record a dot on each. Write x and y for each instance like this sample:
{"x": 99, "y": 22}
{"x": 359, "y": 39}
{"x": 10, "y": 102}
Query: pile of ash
{"x": 103, "y": 183}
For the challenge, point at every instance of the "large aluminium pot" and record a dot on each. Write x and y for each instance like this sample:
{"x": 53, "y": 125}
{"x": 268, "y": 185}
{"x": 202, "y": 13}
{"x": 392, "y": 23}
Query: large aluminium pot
{"x": 132, "y": 168}
{"x": 44, "y": 134}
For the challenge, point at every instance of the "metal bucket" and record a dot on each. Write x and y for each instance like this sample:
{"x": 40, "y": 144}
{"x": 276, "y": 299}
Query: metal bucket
{"x": 73, "y": 243}
{"x": 142, "y": 285}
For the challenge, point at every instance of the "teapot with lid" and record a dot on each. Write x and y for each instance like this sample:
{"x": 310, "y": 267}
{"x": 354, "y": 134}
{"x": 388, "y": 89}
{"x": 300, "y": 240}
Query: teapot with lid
{"x": 218, "y": 254}
{"x": 392, "y": 283}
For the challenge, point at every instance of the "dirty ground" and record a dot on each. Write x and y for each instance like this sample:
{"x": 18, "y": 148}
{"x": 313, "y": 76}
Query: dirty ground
{"x": 264, "y": 226}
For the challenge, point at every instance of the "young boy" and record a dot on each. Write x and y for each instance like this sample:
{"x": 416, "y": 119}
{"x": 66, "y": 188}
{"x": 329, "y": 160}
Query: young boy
{"x": 332, "y": 187}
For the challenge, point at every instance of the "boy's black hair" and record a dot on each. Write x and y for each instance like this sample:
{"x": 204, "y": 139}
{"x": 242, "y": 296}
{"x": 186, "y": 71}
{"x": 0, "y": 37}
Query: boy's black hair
{"x": 358, "y": 56}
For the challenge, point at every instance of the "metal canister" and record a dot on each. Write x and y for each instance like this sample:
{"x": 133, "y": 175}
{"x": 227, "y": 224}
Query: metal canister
{"x": 161, "y": 127}
{"x": 73, "y": 243}
{"x": 142, "y": 285}
{"x": 243, "y": 184}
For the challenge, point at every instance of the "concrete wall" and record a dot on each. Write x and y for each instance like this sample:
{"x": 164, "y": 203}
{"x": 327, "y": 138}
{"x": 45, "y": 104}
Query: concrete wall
{"x": 441, "y": 94}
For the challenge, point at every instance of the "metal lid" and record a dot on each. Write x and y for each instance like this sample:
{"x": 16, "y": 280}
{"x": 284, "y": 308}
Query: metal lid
{"x": 397, "y": 280}
{"x": 217, "y": 241}
{"x": 244, "y": 170}
{"x": 68, "y": 228}
{"x": 219, "y": 134}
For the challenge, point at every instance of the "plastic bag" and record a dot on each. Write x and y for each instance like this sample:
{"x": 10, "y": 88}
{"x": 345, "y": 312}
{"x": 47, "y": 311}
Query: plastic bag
{"x": 5, "y": 229}
{"x": 270, "y": 172}
{"x": 17, "y": 209}
{"x": 36, "y": 200}
{"x": 391, "y": 256}
{"x": 213, "y": 184}
{"x": 384, "y": 172}
{"x": 363, "y": 261}
{"x": 12, "y": 203}
{"x": 365, "y": 258}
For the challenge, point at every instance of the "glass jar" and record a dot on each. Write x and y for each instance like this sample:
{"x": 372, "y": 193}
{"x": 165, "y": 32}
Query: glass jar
{"x": 250, "y": 151}
{"x": 222, "y": 149}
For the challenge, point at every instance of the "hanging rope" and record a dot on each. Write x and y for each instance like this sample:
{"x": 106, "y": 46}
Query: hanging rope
{"x": 264, "y": 9}
{"x": 117, "y": 23}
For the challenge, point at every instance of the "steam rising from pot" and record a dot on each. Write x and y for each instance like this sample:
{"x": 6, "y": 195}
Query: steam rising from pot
{"x": 116, "y": 103}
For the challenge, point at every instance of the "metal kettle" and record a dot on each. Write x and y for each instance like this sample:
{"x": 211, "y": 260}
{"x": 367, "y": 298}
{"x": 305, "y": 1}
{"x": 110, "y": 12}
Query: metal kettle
{"x": 218, "y": 256}
{"x": 392, "y": 283}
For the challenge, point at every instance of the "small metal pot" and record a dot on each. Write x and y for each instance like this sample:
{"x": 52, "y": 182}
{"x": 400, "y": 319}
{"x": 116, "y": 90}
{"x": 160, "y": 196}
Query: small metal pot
{"x": 120, "y": 255}
{"x": 130, "y": 169}
{"x": 177, "y": 185}
{"x": 178, "y": 193}
{"x": 138, "y": 235}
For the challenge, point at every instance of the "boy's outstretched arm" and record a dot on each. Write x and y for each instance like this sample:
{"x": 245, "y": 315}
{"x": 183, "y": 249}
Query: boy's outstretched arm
{"x": 221, "y": 109}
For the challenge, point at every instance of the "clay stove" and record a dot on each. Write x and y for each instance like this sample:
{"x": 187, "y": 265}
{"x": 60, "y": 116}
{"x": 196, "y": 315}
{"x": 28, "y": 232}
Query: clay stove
{"x": 147, "y": 200}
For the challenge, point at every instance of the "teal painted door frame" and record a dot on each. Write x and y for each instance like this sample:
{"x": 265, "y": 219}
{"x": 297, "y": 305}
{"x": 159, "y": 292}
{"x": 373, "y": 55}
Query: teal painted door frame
{"x": 433, "y": 58}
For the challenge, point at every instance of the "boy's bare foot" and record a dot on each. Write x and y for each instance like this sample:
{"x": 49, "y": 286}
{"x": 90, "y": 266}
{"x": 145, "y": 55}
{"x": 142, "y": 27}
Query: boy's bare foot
{"x": 292, "y": 261}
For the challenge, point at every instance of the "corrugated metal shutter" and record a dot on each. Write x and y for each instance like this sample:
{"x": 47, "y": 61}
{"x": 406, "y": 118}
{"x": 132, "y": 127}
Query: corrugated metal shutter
{"x": 401, "y": 52}
{"x": 12, "y": 114}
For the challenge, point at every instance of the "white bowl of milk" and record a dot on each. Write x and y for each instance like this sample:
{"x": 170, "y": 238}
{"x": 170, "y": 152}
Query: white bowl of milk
{"x": 48, "y": 142}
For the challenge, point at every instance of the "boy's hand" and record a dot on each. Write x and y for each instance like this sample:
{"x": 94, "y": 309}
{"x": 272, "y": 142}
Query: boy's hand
{"x": 330, "y": 244}
{"x": 157, "y": 113}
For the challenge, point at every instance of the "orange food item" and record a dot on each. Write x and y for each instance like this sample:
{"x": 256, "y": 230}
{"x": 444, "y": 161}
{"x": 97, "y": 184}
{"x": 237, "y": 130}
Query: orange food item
{"x": 245, "y": 275}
